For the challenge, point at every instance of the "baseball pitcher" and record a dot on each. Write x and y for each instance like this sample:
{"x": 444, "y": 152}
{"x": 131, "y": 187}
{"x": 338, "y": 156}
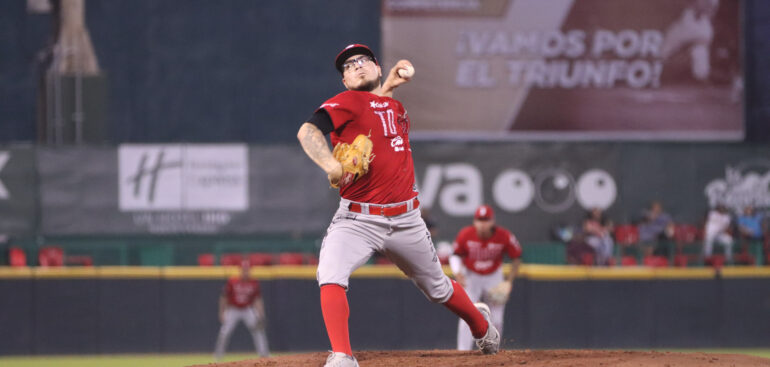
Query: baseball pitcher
{"x": 241, "y": 300}
{"x": 478, "y": 254}
{"x": 372, "y": 166}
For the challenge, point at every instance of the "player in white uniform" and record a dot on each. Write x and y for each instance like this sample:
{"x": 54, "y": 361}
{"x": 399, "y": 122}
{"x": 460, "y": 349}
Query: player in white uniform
{"x": 476, "y": 264}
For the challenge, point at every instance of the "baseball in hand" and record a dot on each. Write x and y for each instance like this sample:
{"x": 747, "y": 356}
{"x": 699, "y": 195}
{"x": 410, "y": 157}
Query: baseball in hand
{"x": 406, "y": 72}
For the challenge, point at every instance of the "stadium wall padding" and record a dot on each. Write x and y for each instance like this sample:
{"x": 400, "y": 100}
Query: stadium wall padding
{"x": 100, "y": 315}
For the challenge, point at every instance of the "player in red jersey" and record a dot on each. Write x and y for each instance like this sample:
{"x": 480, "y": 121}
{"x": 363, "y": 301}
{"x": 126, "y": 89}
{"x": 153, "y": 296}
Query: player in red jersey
{"x": 379, "y": 211}
{"x": 478, "y": 254}
{"x": 241, "y": 300}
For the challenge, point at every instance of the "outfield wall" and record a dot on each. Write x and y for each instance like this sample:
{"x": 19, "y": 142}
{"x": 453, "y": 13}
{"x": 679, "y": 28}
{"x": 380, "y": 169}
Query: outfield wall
{"x": 174, "y": 309}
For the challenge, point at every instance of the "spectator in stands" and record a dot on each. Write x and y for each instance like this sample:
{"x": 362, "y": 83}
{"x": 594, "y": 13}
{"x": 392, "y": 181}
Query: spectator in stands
{"x": 717, "y": 229}
{"x": 577, "y": 249}
{"x": 751, "y": 226}
{"x": 655, "y": 226}
{"x": 597, "y": 230}
{"x": 241, "y": 300}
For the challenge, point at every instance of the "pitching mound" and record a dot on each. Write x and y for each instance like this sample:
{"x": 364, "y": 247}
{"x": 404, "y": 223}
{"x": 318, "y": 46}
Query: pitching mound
{"x": 528, "y": 358}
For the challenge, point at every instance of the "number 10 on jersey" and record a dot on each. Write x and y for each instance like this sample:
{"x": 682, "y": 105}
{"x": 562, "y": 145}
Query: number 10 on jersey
{"x": 388, "y": 119}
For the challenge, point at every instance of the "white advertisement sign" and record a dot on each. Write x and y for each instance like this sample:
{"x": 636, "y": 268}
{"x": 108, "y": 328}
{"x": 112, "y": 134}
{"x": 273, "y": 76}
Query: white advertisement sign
{"x": 176, "y": 177}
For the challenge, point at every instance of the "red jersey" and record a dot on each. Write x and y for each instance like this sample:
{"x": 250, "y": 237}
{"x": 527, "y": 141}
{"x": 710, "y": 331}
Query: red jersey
{"x": 484, "y": 256}
{"x": 384, "y": 120}
{"x": 241, "y": 293}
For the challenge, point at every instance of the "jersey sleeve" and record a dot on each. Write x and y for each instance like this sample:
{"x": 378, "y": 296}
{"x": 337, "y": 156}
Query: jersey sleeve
{"x": 343, "y": 108}
{"x": 514, "y": 247}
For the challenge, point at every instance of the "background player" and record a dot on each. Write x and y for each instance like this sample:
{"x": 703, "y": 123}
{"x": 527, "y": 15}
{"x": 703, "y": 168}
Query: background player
{"x": 478, "y": 254}
{"x": 241, "y": 300}
{"x": 379, "y": 211}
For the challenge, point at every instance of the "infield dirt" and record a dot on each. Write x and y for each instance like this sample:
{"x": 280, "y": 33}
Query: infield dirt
{"x": 529, "y": 358}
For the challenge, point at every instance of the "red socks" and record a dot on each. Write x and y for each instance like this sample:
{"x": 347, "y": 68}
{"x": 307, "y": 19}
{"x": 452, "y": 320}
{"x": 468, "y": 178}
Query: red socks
{"x": 462, "y": 306}
{"x": 334, "y": 306}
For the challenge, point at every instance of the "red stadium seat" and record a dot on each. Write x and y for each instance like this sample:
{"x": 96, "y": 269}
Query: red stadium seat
{"x": 312, "y": 260}
{"x": 685, "y": 234}
{"x": 206, "y": 259}
{"x": 686, "y": 237}
{"x": 681, "y": 260}
{"x": 260, "y": 259}
{"x": 51, "y": 256}
{"x": 587, "y": 259}
{"x": 291, "y": 258}
{"x": 17, "y": 257}
{"x": 716, "y": 261}
{"x": 744, "y": 259}
{"x": 655, "y": 261}
{"x": 626, "y": 234}
{"x": 628, "y": 261}
{"x": 80, "y": 260}
{"x": 231, "y": 260}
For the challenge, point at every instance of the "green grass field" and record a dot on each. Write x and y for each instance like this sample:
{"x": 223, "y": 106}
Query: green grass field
{"x": 180, "y": 360}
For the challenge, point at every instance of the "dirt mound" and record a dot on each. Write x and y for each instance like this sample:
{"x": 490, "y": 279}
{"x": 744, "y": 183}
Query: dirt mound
{"x": 528, "y": 358}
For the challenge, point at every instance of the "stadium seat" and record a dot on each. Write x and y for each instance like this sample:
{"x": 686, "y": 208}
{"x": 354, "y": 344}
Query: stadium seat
{"x": 655, "y": 261}
{"x": 626, "y": 234}
{"x": 312, "y": 260}
{"x": 744, "y": 258}
{"x": 382, "y": 260}
{"x": 686, "y": 237}
{"x": 231, "y": 260}
{"x": 17, "y": 257}
{"x": 206, "y": 259}
{"x": 681, "y": 260}
{"x": 716, "y": 261}
{"x": 291, "y": 258}
{"x": 685, "y": 234}
{"x": 628, "y": 261}
{"x": 79, "y": 260}
{"x": 260, "y": 259}
{"x": 50, "y": 256}
{"x": 587, "y": 259}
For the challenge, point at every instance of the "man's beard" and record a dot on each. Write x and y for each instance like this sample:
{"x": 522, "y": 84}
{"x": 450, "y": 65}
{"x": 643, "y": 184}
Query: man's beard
{"x": 368, "y": 86}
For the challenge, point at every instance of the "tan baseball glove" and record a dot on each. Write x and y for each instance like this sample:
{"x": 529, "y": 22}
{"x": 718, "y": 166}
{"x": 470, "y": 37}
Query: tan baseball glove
{"x": 355, "y": 158}
{"x": 499, "y": 294}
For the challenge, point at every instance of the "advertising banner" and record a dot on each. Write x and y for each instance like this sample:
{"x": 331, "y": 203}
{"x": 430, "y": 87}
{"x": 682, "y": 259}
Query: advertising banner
{"x": 533, "y": 187}
{"x": 569, "y": 69}
{"x": 180, "y": 189}
{"x": 536, "y": 188}
{"x": 18, "y": 191}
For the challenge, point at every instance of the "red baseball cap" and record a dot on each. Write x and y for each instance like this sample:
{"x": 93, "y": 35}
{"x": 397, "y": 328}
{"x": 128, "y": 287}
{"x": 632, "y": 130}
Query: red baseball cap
{"x": 350, "y": 50}
{"x": 484, "y": 212}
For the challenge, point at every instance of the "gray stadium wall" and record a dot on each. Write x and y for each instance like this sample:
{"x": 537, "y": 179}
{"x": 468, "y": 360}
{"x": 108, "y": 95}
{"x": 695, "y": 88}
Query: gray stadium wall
{"x": 163, "y": 310}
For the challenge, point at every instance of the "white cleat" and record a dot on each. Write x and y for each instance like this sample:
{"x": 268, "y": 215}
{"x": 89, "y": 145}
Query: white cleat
{"x": 489, "y": 343}
{"x": 337, "y": 359}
